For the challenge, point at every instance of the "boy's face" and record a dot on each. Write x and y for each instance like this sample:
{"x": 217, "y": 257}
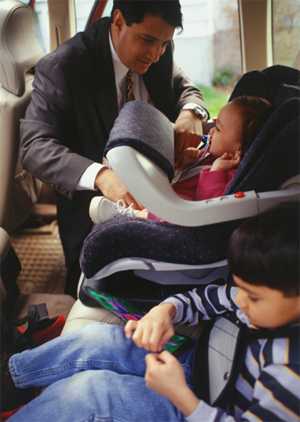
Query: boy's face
{"x": 140, "y": 44}
{"x": 226, "y": 136}
{"x": 265, "y": 307}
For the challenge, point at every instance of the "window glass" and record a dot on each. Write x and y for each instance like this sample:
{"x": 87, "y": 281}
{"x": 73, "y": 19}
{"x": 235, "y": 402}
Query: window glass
{"x": 210, "y": 41}
{"x": 286, "y": 32}
{"x": 41, "y": 9}
{"x": 108, "y": 8}
{"x": 83, "y": 9}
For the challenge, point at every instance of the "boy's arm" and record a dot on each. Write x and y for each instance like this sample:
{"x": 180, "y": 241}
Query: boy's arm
{"x": 156, "y": 327}
{"x": 154, "y": 330}
{"x": 202, "y": 303}
{"x": 276, "y": 396}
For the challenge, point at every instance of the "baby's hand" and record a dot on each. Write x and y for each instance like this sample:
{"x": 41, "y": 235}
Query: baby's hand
{"x": 227, "y": 161}
{"x": 154, "y": 330}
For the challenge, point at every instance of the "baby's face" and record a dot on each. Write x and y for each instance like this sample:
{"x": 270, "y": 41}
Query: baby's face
{"x": 266, "y": 307}
{"x": 226, "y": 136}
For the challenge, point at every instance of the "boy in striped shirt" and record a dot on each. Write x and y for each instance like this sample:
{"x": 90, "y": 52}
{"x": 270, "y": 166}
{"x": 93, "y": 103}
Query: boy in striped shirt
{"x": 98, "y": 373}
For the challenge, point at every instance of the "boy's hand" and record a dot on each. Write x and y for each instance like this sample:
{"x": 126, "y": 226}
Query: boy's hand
{"x": 227, "y": 161}
{"x": 154, "y": 330}
{"x": 165, "y": 375}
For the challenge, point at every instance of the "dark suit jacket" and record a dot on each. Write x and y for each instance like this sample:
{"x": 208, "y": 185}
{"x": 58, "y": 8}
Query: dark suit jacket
{"x": 72, "y": 109}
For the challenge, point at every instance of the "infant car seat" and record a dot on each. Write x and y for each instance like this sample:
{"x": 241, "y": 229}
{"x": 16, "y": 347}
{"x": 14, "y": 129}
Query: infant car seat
{"x": 190, "y": 247}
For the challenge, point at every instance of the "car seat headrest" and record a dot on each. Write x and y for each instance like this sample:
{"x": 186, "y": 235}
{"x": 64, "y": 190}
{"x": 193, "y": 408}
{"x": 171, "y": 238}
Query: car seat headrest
{"x": 144, "y": 128}
{"x": 19, "y": 45}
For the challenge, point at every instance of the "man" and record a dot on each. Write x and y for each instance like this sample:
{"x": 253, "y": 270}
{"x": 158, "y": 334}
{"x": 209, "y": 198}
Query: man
{"x": 78, "y": 91}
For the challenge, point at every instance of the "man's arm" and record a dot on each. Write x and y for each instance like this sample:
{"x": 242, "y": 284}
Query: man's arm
{"x": 44, "y": 151}
{"x": 192, "y": 114}
{"x": 185, "y": 91}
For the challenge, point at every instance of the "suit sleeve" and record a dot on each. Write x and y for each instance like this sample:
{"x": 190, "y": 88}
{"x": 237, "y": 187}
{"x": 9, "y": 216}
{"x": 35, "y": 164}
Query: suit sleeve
{"x": 184, "y": 89}
{"x": 47, "y": 128}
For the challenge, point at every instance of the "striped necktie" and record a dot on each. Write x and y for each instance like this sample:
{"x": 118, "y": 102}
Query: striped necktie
{"x": 129, "y": 87}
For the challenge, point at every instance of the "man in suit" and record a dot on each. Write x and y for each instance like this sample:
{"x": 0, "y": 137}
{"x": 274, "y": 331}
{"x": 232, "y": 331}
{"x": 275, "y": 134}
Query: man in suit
{"x": 78, "y": 91}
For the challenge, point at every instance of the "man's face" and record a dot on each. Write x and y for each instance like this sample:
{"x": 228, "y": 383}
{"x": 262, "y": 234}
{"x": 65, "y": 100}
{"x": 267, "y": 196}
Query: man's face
{"x": 140, "y": 44}
{"x": 266, "y": 307}
{"x": 226, "y": 136}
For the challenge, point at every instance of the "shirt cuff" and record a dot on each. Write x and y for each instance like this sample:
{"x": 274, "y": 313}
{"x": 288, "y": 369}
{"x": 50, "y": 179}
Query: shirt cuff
{"x": 88, "y": 177}
{"x": 178, "y": 305}
{"x": 203, "y": 412}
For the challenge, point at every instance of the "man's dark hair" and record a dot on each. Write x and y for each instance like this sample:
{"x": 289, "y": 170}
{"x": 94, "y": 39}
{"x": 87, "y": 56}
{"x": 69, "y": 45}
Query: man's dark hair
{"x": 134, "y": 11}
{"x": 254, "y": 111}
{"x": 265, "y": 249}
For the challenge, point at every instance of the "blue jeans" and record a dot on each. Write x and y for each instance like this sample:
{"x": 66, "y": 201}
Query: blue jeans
{"x": 93, "y": 374}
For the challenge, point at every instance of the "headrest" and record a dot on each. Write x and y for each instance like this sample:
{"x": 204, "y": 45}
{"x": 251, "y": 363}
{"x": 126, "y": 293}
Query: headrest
{"x": 276, "y": 83}
{"x": 144, "y": 128}
{"x": 20, "y": 48}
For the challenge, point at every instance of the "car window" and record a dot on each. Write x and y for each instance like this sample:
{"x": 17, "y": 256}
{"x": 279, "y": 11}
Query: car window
{"x": 83, "y": 9}
{"x": 286, "y": 32}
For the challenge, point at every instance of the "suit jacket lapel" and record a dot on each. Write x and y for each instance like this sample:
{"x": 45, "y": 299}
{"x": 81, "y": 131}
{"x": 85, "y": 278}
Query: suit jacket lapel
{"x": 158, "y": 81}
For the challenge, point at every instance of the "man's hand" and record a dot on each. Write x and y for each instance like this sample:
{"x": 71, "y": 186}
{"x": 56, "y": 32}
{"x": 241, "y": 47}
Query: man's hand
{"x": 154, "y": 330}
{"x": 227, "y": 161}
{"x": 188, "y": 129}
{"x": 114, "y": 189}
{"x": 189, "y": 156}
{"x": 165, "y": 375}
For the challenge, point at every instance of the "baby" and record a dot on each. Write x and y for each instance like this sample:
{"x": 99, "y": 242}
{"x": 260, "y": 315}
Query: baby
{"x": 235, "y": 127}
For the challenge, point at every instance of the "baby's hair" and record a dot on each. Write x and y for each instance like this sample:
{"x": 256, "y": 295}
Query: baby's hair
{"x": 254, "y": 112}
{"x": 264, "y": 250}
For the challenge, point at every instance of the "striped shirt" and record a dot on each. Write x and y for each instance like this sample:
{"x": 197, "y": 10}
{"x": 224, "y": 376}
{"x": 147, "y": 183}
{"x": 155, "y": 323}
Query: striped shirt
{"x": 268, "y": 386}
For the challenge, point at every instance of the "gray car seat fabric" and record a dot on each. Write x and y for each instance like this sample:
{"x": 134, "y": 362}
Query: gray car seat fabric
{"x": 272, "y": 159}
{"x": 148, "y": 124}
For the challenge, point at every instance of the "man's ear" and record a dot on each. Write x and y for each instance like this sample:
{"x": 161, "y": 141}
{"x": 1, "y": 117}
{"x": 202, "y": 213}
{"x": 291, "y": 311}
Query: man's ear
{"x": 118, "y": 20}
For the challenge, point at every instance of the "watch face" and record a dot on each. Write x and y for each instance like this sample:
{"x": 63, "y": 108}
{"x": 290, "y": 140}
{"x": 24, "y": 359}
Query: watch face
{"x": 199, "y": 112}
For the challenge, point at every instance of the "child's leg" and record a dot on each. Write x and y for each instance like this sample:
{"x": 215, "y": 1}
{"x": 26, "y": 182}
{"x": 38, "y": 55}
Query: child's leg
{"x": 96, "y": 346}
{"x": 99, "y": 396}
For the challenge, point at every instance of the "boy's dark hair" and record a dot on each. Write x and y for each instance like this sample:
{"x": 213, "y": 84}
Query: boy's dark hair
{"x": 134, "y": 11}
{"x": 265, "y": 249}
{"x": 254, "y": 111}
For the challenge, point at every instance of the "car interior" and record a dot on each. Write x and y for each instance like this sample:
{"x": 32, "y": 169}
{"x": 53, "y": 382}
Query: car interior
{"x": 28, "y": 209}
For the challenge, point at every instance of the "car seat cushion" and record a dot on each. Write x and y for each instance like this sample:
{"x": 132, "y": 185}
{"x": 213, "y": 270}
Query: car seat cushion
{"x": 123, "y": 237}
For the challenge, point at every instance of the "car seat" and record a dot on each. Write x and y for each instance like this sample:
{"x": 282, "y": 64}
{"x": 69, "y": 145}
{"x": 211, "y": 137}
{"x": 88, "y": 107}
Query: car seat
{"x": 269, "y": 173}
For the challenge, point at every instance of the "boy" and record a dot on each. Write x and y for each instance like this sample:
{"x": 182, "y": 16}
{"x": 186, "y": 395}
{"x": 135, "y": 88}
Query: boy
{"x": 98, "y": 372}
{"x": 236, "y": 126}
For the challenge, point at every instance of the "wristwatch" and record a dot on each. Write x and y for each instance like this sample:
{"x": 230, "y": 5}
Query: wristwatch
{"x": 197, "y": 110}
